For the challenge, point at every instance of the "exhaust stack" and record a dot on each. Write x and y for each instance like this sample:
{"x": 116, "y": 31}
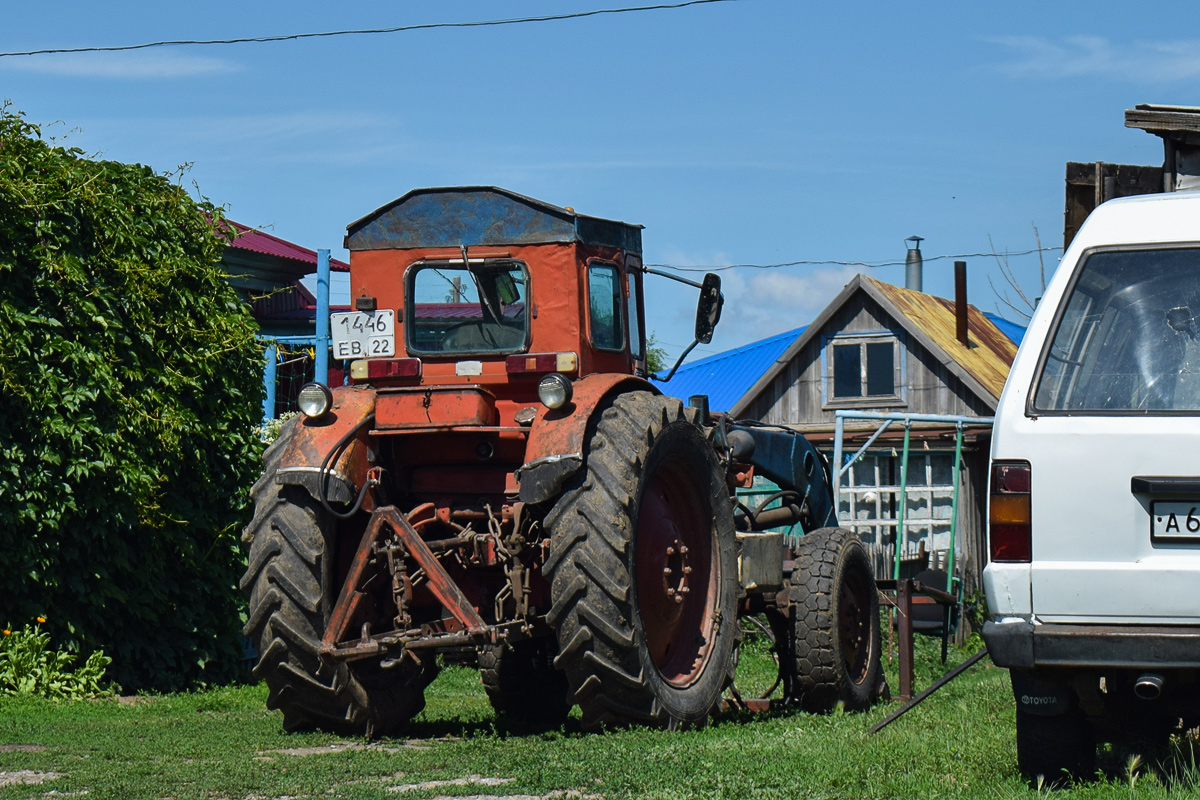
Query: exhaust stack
{"x": 960, "y": 302}
{"x": 913, "y": 264}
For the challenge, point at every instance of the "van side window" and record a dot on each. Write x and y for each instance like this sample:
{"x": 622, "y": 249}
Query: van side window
{"x": 605, "y": 301}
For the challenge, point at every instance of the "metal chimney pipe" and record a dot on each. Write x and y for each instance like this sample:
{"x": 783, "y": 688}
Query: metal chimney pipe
{"x": 960, "y": 302}
{"x": 913, "y": 264}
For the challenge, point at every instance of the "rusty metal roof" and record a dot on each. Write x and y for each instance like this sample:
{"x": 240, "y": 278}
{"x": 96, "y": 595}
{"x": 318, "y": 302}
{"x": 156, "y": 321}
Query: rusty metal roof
{"x": 452, "y": 216}
{"x": 989, "y": 354}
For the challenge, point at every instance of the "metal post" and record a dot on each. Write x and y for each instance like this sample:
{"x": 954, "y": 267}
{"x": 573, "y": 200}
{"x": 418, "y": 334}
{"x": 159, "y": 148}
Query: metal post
{"x": 839, "y": 427}
{"x": 322, "y": 343}
{"x": 903, "y": 498}
{"x": 958, "y": 441}
{"x": 905, "y": 634}
{"x": 269, "y": 378}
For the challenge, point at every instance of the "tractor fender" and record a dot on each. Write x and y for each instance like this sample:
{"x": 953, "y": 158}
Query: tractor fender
{"x": 556, "y": 438}
{"x": 312, "y": 440}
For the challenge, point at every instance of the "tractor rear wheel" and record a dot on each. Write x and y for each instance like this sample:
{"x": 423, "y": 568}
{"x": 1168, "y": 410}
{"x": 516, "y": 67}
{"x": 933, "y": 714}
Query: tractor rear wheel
{"x": 290, "y": 583}
{"x": 522, "y": 683}
{"x": 834, "y": 615}
{"x": 643, "y": 571}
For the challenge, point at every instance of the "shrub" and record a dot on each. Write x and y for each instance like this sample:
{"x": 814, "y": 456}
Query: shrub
{"x": 29, "y": 666}
{"x": 129, "y": 394}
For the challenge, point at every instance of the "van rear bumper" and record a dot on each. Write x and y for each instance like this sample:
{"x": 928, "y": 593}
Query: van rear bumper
{"x": 1022, "y": 645}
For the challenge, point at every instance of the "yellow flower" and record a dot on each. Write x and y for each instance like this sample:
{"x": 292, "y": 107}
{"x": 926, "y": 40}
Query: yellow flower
{"x": 41, "y": 619}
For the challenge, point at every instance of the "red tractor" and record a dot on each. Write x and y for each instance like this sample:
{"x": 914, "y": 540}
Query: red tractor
{"x": 501, "y": 478}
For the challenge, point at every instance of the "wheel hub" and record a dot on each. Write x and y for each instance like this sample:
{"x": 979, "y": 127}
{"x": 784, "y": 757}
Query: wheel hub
{"x": 854, "y": 630}
{"x": 676, "y": 571}
{"x": 675, "y": 574}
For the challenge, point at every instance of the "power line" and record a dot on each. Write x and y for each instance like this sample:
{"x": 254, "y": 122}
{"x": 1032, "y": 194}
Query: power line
{"x": 398, "y": 29}
{"x": 865, "y": 264}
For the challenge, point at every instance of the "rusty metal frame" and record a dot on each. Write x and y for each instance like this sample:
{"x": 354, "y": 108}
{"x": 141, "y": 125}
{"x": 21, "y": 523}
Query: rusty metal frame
{"x": 440, "y": 583}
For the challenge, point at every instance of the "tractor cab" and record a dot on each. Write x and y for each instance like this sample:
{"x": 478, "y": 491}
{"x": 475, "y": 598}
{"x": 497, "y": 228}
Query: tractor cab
{"x": 482, "y": 286}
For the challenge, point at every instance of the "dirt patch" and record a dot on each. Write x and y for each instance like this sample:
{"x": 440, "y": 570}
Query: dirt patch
{"x": 470, "y": 780}
{"x": 26, "y": 777}
{"x": 22, "y": 748}
{"x": 336, "y": 747}
{"x": 567, "y": 794}
{"x": 136, "y": 700}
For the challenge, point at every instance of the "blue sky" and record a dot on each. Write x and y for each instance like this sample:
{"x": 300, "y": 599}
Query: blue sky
{"x": 756, "y": 131}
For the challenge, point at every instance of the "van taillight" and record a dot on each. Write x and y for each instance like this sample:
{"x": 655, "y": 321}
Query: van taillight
{"x": 1009, "y": 512}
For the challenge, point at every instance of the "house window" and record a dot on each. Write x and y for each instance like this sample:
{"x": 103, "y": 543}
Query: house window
{"x": 863, "y": 368}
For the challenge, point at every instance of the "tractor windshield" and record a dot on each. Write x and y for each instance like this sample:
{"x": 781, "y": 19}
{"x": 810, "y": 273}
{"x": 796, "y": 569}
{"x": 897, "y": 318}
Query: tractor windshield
{"x": 466, "y": 310}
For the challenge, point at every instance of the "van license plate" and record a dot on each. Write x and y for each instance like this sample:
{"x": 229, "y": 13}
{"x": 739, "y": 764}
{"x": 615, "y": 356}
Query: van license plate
{"x": 1175, "y": 519}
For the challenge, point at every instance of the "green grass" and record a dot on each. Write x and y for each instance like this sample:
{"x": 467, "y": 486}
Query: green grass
{"x": 223, "y": 743}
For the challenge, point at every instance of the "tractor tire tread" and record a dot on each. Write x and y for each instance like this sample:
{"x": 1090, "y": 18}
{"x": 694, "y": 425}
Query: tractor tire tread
{"x": 287, "y": 580}
{"x": 818, "y": 680}
{"x": 592, "y": 604}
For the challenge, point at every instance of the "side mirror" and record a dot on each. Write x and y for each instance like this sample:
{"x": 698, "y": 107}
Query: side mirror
{"x": 708, "y": 308}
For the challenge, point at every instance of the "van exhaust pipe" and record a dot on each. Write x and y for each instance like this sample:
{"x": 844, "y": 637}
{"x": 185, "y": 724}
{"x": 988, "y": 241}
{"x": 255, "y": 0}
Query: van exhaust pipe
{"x": 1148, "y": 686}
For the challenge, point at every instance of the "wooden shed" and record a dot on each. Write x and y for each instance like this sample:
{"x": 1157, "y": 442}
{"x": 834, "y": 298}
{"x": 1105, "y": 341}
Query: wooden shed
{"x": 881, "y": 348}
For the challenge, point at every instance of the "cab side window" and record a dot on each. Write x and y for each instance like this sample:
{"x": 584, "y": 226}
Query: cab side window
{"x": 605, "y": 302}
{"x": 637, "y": 342}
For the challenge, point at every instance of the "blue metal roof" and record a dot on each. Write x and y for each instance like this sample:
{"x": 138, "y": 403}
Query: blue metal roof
{"x": 726, "y": 376}
{"x": 1010, "y": 329}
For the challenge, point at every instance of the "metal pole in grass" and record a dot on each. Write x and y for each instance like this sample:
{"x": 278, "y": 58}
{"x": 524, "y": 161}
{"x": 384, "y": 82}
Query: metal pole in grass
{"x": 949, "y": 676}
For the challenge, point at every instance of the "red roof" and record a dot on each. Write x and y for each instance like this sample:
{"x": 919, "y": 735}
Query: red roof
{"x": 260, "y": 242}
{"x": 460, "y": 310}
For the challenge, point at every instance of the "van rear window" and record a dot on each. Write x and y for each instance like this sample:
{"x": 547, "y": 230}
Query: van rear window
{"x": 1128, "y": 339}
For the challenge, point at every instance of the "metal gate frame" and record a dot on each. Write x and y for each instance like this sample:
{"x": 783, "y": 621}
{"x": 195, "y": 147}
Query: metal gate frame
{"x": 907, "y": 420}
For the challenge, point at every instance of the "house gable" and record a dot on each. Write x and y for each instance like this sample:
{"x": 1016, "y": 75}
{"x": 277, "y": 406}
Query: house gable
{"x": 928, "y": 379}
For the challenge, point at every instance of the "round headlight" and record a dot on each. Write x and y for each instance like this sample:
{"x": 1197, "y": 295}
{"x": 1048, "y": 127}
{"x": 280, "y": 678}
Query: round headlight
{"x": 554, "y": 390}
{"x": 314, "y": 399}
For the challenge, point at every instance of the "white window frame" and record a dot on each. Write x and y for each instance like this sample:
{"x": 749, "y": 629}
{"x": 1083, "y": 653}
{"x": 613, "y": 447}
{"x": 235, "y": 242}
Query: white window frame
{"x": 898, "y": 399}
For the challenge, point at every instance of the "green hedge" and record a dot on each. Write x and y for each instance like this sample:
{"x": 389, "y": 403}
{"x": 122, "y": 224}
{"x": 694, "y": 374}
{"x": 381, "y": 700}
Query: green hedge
{"x": 130, "y": 385}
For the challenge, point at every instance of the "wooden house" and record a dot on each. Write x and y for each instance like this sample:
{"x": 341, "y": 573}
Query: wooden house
{"x": 881, "y": 348}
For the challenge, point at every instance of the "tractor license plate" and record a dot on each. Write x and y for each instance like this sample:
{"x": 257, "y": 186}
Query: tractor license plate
{"x": 1175, "y": 519}
{"x": 363, "y": 334}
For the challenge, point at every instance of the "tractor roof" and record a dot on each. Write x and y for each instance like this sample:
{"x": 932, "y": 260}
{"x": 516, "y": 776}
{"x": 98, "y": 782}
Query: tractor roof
{"x": 481, "y": 215}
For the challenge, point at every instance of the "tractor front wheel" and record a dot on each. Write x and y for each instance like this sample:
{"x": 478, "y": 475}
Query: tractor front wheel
{"x": 290, "y": 583}
{"x": 643, "y": 571}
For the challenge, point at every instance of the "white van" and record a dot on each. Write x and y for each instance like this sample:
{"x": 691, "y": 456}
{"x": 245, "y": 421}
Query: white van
{"x": 1093, "y": 584}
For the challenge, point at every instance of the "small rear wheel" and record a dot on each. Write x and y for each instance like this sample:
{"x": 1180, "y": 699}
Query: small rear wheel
{"x": 522, "y": 684}
{"x": 834, "y": 615}
{"x": 1053, "y": 749}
